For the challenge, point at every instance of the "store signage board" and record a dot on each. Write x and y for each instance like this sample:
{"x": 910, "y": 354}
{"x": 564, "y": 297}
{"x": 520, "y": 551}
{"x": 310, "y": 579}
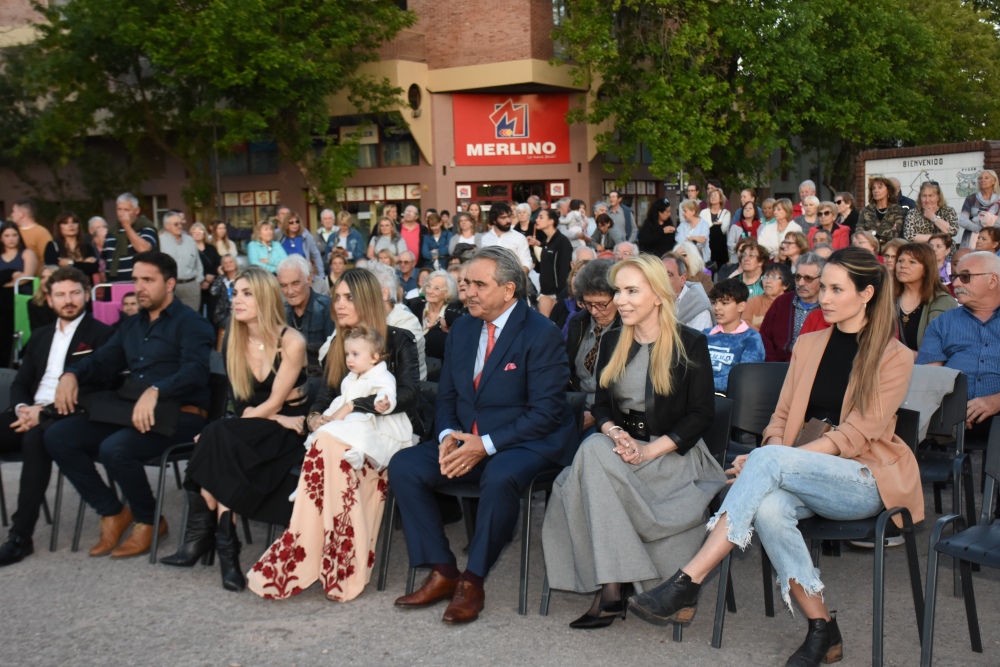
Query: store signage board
{"x": 511, "y": 129}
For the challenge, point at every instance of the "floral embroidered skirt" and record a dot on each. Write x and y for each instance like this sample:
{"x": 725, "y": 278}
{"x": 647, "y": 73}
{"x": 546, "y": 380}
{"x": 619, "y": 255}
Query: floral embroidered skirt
{"x": 333, "y": 530}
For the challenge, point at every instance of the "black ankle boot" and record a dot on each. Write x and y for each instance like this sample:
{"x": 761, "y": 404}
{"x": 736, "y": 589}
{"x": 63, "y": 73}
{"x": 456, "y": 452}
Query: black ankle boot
{"x": 823, "y": 644}
{"x": 227, "y": 545}
{"x": 199, "y": 533}
{"x": 676, "y": 600}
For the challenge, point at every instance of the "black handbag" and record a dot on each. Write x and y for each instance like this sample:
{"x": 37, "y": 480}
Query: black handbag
{"x": 116, "y": 407}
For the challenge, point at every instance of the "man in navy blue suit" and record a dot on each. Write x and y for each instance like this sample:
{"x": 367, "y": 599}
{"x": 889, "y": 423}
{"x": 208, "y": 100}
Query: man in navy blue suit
{"x": 501, "y": 418}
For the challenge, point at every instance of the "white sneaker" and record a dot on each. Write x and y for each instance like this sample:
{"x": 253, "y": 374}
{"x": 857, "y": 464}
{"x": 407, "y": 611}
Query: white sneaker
{"x": 896, "y": 541}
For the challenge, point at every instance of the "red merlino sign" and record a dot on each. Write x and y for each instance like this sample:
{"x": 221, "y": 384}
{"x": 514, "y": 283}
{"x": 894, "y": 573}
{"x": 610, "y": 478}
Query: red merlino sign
{"x": 511, "y": 129}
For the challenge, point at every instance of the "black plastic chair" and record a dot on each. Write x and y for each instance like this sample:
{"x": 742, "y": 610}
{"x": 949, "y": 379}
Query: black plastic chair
{"x": 876, "y": 529}
{"x": 970, "y": 545}
{"x": 466, "y": 493}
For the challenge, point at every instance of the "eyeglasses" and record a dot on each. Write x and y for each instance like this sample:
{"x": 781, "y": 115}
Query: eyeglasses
{"x": 593, "y": 305}
{"x": 826, "y": 213}
{"x": 768, "y": 279}
{"x": 808, "y": 280}
{"x": 749, "y": 255}
{"x": 838, "y": 202}
{"x": 966, "y": 278}
{"x": 436, "y": 288}
{"x": 294, "y": 222}
{"x": 787, "y": 243}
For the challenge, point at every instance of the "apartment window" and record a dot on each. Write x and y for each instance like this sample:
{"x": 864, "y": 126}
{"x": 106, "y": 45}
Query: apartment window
{"x": 254, "y": 158}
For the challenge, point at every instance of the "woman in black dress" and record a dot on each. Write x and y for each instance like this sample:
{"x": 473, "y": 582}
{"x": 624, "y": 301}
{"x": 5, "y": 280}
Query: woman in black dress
{"x": 210, "y": 261}
{"x": 243, "y": 465}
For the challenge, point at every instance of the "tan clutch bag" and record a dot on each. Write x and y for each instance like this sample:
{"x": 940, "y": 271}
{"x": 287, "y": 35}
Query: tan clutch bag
{"x": 813, "y": 429}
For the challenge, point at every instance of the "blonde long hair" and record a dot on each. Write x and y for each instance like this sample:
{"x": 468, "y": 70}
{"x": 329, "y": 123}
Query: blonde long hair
{"x": 366, "y": 293}
{"x": 270, "y": 319}
{"x": 667, "y": 350}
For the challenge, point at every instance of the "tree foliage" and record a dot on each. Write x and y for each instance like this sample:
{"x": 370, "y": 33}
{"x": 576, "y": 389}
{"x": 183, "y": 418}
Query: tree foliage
{"x": 717, "y": 85}
{"x": 191, "y": 76}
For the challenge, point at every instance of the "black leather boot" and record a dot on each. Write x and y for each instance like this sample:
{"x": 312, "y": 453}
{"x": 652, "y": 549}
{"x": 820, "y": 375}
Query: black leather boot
{"x": 227, "y": 545}
{"x": 675, "y": 600}
{"x": 199, "y": 533}
{"x": 823, "y": 644}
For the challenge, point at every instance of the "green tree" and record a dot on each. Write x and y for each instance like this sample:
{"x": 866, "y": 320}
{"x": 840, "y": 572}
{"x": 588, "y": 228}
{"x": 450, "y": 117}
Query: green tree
{"x": 715, "y": 87}
{"x": 190, "y": 76}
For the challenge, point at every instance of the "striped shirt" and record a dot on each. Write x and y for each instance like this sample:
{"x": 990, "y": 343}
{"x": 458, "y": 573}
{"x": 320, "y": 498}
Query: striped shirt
{"x": 146, "y": 232}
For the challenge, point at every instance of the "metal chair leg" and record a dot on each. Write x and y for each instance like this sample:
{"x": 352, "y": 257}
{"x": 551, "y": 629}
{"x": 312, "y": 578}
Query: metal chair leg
{"x": 725, "y": 590}
{"x": 765, "y": 564}
{"x": 970, "y": 607}
{"x": 411, "y": 579}
{"x": 272, "y": 531}
{"x": 246, "y": 530}
{"x": 543, "y": 609}
{"x": 385, "y": 536}
{"x": 46, "y": 512}
{"x": 79, "y": 526}
{"x": 54, "y": 537}
{"x": 161, "y": 489}
{"x": 3, "y": 503}
{"x": 930, "y": 603}
{"x": 522, "y": 600}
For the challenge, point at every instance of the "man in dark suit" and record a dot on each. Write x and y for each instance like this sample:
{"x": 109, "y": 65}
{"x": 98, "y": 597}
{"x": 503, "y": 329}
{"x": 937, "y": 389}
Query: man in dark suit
{"x": 52, "y": 349}
{"x": 502, "y": 418}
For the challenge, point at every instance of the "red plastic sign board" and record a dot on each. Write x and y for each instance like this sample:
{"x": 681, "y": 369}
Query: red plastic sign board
{"x": 511, "y": 129}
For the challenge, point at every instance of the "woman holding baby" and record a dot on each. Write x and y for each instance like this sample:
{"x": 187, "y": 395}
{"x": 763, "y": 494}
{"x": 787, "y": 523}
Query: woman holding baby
{"x": 361, "y": 418}
{"x": 242, "y": 465}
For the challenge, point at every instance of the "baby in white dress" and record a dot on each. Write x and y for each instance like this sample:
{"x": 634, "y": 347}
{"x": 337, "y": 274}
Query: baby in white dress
{"x": 377, "y": 436}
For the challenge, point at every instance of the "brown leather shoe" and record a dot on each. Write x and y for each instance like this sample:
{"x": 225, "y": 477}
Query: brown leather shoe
{"x": 466, "y": 604}
{"x": 112, "y": 529}
{"x": 139, "y": 541}
{"x": 436, "y": 587}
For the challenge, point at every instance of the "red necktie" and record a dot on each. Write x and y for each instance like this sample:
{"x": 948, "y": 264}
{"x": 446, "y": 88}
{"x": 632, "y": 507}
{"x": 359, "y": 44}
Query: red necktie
{"x": 490, "y": 341}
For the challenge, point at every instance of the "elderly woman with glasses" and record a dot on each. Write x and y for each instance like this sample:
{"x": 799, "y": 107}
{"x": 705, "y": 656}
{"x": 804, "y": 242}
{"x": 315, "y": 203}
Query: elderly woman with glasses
{"x": 931, "y": 216}
{"x": 752, "y": 259}
{"x": 437, "y": 310}
{"x": 777, "y": 280}
{"x": 980, "y": 209}
{"x": 793, "y": 246}
{"x": 840, "y": 234}
{"x": 598, "y": 315}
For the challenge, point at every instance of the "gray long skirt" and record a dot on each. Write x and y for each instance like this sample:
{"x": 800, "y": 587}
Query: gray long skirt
{"x": 609, "y": 521}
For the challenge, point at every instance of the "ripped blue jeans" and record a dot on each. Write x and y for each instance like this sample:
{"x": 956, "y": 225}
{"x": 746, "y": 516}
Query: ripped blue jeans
{"x": 781, "y": 485}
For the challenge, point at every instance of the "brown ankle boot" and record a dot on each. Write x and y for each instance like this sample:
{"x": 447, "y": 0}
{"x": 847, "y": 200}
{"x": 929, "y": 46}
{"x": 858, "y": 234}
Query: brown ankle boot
{"x": 139, "y": 541}
{"x": 112, "y": 529}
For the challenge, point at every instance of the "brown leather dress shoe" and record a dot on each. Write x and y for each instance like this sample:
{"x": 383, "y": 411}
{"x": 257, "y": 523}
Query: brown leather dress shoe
{"x": 139, "y": 541}
{"x": 436, "y": 587}
{"x": 112, "y": 529}
{"x": 466, "y": 604}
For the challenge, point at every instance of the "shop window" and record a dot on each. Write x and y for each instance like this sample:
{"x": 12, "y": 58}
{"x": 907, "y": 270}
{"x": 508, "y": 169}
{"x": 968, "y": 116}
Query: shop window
{"x": 250, "y": 159}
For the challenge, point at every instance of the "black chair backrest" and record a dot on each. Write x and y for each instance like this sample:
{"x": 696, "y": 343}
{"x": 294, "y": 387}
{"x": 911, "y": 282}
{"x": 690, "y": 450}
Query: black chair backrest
{"x": 7, "y": 376}
{"x": 953, "y": 409}
{"x": 423, "y": 427}
{"x": 717, "y": 436}
{"x": 754, "y": 389}
{"x": 908, "y": 427}
{"x": 578, "y": 404}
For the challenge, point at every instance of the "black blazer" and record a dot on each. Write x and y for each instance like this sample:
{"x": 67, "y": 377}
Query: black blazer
{"x": 686, "y": 414}
{"x": 89, "y": 336}
{"x": 578, "y": 325}
{"x": 402, "y": 361}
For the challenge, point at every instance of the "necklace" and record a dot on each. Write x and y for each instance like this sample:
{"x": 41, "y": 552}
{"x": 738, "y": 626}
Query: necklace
{"x": 260, "y": 345}
{"x": 905, "y": 316}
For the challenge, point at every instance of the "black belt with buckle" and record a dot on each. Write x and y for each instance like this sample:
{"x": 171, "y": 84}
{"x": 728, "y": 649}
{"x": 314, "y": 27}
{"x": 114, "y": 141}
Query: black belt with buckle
{"x": 636, "y": 425}
{"x": 185, "y": 281}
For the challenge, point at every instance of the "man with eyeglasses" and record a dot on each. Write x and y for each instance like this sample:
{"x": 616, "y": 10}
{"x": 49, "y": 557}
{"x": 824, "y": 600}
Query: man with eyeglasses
{"x": 794, "y": 313}
{"x": 691, "y": 192}
{"x": 967, "y": 338}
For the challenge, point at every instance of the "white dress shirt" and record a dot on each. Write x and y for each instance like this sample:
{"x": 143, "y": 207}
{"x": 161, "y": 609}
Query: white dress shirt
{"x": 516, "y": 242}
{"x": 46, "y": 391}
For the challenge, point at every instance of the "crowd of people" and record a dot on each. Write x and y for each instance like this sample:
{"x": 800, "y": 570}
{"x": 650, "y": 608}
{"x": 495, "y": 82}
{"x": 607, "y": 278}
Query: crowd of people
{"x": 325, "y": 340}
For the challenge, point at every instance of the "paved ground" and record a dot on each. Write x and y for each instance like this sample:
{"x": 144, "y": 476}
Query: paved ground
{"x": 65, "y": 608}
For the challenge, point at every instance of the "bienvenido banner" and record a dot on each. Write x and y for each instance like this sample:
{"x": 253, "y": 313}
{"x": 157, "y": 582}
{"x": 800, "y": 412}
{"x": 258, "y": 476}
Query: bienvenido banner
{"x": 511, "y": 129}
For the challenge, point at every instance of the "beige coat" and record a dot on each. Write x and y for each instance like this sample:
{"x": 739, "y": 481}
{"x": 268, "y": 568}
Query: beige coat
{"x": 869, "y": 438}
